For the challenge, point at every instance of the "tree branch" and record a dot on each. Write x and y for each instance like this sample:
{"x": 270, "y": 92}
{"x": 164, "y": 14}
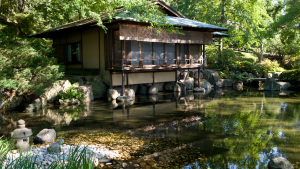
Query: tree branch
{"x": 11, "y": 24}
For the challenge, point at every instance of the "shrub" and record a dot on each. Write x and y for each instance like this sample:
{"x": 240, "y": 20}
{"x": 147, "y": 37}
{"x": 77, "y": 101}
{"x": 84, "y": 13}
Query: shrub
{"x": 290, "y": 75}
{"x": 72, "y": 92}
{"x": 224, "y": 60}
{"x": 271, "y": 66}
{"x": 26, "y": 68}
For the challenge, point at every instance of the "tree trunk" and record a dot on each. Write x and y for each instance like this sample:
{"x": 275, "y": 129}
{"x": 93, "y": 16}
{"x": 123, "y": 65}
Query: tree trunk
{"x": 262, "y": 52}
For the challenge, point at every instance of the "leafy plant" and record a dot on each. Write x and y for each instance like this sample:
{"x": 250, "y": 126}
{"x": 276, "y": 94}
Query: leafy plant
{"x": 290, "y": 75}
{"x": 72, "y": 92}
{"x": 271, "y": 66}
{"x": 26, "y": 67}
{"x": 241, "y": 77}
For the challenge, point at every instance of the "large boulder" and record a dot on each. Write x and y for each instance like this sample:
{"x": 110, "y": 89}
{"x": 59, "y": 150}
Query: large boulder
{"x": 177, "y": 88}
{"x": 220, "y": 83}
{"x": 271, "y": 84}
{"x": 143, "y": 90}
{"x": 76, "y": 79}
{"x": 184, "y": 74}
{"x": 279, "y": 163}
{"x": 169, "y": 86}
{"x": 60, "y": 86}
{"x": 153, "y": 90}
{"x": 189, "y": 83}
{"x": 196, "y": 75}
{"x": 112, "y": 94}
{"x": 284, "y": 85}
{"x": 227, "y": 82}
{"x": 9, "y": 103}
{"x": 238, "y": 85}
{"x": 45, "y": 136}
{"x": 99, "y": 87}
{"x": 87, "y": 91}
{"x": 130, "y": 92}
{"x": 159, "y": 86}
{"x": 212, "y": 76}
{"x": 268, "y": 75}
{"x": 203, "y": 84}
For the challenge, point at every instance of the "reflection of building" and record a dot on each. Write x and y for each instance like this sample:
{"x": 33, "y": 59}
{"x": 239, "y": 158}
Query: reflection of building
{"x": 130, "y": 53}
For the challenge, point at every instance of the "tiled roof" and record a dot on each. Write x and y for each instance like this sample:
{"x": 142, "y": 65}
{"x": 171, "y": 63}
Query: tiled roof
{"x": 125, "y": 16}
{"x": 220, "y": 34}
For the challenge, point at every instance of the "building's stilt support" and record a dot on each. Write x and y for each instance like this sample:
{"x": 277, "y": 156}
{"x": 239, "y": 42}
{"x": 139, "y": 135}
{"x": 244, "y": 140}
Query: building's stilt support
{"x": 199, "y": 77}
{"x": 123, "y": 83}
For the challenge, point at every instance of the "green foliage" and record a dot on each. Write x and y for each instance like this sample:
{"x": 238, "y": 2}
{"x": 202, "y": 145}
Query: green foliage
{"x": 240, "y": 77}
{"x": 224, "y": 60}
{"x": 72, "y": 92}
{"x": 271, "y": 66}
{"x": 25, "y": 66}
{"x": 77, "y": 159}
{"x": 5, "y": 146}
{"x": 290, "y": 75}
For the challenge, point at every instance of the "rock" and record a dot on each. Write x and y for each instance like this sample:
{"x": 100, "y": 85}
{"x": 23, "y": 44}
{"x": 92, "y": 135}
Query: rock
{"x": 284, "y": 92}
{"x": 130, "y": 93}
{"x": 37, "y": 103}
{"x": 76, "y": 79}
{"x": 284, "y": 85}
{"x": 43, "y": 101}
{"x": 189, "y": 83}
{"x": 199, "y": 89}
{"x": 153, "y": 90}
{"x": 177, "y": 88}
{"x": 276, "y": 74}
{"x": 169, "y": 86}
{"x": 98, "y": 86}
{"x": 212, "y": 76}
{"x": 279, "y": 163}
{"x": 268, "y": 75}
{"x": 183, "y": 75}
{"x": 87, "y": 91}
{"x": 143, "y": 90}
{"x": 220, "y": 83}
{"x": 45, "y": 136}
{"x": 124, "y": 99}
{"x": 205, "y": 84}
{"x": 227, "y": 82}
{"x": 196, "y": 75}
{"x": 55, "y": 147}
{"x": 153, "y": 98}
{"x": 237, "y": 85}
{"x": 159, "y": 86}
{"x": 143, "y": 165}
{"x": 112, "y": 94}
{"x": 10, "y": 103}
{"x": 271, "y": 84}
{"x": 30, "y": 108}
{"x": 182, "y": 86}
{"x": 60, "y": 86}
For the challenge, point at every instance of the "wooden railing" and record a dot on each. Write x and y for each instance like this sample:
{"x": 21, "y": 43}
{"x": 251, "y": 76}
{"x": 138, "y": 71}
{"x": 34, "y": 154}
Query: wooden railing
{"x": 127, "y": 64}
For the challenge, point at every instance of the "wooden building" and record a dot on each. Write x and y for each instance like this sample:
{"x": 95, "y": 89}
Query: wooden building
{"x": 130, "y": 53}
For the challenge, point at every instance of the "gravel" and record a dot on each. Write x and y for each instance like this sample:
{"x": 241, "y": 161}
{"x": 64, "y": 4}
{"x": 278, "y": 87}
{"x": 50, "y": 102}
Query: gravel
{"x": 44, "y": 159}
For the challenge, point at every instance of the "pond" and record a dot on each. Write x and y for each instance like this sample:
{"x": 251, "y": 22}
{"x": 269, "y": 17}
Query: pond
{"x": 222, "y": 128}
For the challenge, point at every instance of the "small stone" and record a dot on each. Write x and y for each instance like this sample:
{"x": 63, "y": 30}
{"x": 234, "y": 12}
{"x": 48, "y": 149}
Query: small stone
{"x": 55, "y": 147}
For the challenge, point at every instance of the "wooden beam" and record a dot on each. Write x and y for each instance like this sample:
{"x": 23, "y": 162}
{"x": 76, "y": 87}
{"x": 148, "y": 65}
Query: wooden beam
{"x": 166, "y": 53}
{"x": 123, "y": 83}
{"x": 199, "y": 79}
{"x": 204, "y": 57}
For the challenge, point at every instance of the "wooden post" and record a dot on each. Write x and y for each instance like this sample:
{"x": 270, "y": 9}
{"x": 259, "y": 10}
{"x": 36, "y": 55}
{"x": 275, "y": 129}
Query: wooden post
{"x": 204, "y": 57}
{"x": 127, "y": 80}
{"x": 199, "y": 78}
{"x": 111, "y": 82}
{"x": 123, "y": 83}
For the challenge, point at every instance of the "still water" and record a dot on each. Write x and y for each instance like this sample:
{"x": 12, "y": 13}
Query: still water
{"x": 219, "y": 129}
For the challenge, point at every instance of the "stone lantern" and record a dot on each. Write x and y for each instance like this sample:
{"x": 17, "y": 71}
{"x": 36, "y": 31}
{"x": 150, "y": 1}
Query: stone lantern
{"x": 21, "y": 136}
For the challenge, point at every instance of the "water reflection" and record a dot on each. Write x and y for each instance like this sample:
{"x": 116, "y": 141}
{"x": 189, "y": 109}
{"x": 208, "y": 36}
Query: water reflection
{"x": 245, "y": 128}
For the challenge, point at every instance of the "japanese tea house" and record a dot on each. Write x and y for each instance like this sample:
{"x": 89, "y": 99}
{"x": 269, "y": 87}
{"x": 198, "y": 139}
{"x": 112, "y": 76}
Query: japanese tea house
{"x": 130, "y": 53}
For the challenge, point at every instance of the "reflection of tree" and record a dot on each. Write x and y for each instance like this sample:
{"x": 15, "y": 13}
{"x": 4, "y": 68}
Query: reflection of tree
{"x": 252, "y": 133}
